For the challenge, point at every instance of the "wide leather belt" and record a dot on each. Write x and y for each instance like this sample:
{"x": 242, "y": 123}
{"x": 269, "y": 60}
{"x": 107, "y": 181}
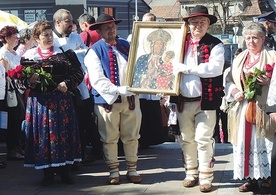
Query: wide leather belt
{"x": 193, "y": 99}
{"x": 182, "y": 100}
{"x": 131, "y": 102}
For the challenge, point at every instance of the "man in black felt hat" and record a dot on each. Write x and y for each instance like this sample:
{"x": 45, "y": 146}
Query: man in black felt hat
{"x": 201, "y": 90}
{"x": 118, "y": 110}
{"x": 268, "y": 19}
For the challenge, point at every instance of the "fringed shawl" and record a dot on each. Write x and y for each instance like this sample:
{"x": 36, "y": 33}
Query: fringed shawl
{"x": 264, "y": 126}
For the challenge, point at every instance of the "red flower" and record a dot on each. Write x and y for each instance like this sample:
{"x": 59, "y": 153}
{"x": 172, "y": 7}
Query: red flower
{"x": 16, "y": 73}
{"x": 249, "y": 74}
{"x": 269, "y": 69}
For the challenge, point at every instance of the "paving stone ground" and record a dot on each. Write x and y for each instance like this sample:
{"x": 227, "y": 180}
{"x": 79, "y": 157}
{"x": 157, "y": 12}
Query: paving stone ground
{"x": 160, "y": 166}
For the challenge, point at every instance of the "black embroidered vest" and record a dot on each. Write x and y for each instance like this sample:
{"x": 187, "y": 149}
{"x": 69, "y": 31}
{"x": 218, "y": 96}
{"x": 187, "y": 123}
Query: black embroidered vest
{"x": 212, "y": 88}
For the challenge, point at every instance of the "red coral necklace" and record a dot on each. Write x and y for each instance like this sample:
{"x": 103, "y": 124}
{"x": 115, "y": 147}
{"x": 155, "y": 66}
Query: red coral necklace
{"x": 45, "y": 55}
{"x": 248, "y": 64}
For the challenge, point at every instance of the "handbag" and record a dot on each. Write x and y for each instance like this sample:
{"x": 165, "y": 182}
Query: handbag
{"x": 11, "y": 95}
{"x": 250, "y": 112}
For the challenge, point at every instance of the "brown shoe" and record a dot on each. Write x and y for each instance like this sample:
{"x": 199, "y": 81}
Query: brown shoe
{"x": 190, "y": 183}
{"x": 205, "y": 187}
{"x": 114, "y": 180}
{"x": 134, "y": 178}
{"x": 249, "y": 186}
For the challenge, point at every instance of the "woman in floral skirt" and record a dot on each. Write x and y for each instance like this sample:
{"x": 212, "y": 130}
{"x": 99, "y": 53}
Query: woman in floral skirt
{"x": 51, "y": 130}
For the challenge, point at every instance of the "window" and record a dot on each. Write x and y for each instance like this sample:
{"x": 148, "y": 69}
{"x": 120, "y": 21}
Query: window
{"x": 109, "y": 11}
{"x": 93, "y": 11}
{"x": 231, "y": 11}
{"x": 190, "y": 10}
{"x": 31, "y": 16}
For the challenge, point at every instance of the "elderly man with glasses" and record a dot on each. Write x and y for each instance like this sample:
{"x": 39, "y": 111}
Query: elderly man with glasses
{"x": 201, "y": 89}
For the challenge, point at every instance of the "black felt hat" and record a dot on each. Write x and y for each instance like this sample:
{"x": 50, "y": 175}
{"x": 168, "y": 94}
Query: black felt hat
{"x": 103, "y": 19}
{"x": 201, "y": 10}
{"x": 270, "y": 16}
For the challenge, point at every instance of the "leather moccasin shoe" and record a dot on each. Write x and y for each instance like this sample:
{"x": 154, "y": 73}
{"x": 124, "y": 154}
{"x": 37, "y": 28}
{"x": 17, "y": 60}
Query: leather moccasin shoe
{"x": 205, "y": 187}
{"x": 114, "y": 180}
{"x": 134, "y": 178}
{"x": 249, "y": 186}
{"x": 190, "y": 183}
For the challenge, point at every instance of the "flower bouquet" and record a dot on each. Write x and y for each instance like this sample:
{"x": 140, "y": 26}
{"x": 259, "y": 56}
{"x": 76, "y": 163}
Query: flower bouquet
{"x": 24, "y": 72}
{"x": 252, "y": 87}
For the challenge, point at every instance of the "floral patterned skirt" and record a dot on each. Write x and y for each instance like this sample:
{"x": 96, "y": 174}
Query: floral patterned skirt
{"x": 51, "y": 131}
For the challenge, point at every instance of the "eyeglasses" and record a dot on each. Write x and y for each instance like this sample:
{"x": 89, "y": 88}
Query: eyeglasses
{"x": 47, "y": 36}
{"x": 67, "y": 21}
{"x": 253, "y": 38}
{"x": 197, "y": 23}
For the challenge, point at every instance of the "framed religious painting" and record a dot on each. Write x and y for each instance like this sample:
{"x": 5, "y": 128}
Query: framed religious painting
{"x": 155, "y": 47}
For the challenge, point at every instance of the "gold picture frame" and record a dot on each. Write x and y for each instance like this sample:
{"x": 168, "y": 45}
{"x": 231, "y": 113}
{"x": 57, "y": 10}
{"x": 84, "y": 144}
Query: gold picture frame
{"x": 154, "y": 48}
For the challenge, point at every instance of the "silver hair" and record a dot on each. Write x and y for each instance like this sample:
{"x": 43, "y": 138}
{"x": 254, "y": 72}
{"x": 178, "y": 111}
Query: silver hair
{"x": 25, "y": 34}
{"x": 254, "y": 28}
{"x": 59, "y": 13}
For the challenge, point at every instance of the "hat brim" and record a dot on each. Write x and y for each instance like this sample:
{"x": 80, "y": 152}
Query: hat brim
{"x": 264, "y": 19}
{"x": 213, "y": 19}
{"x": 97, "y": 25}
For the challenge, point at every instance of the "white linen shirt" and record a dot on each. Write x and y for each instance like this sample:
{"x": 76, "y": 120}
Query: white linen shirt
{"x": 73, "y": 41}
{"x": 99, "y": 81}
{"x": 190, "y": 85}
{"x": 32, "y": 54}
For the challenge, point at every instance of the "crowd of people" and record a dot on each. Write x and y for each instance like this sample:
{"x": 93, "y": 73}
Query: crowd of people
{"x": 72, "y": 93}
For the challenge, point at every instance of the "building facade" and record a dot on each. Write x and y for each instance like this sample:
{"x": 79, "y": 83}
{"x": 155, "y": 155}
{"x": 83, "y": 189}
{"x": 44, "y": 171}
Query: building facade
{"x": 32, "y": 10}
